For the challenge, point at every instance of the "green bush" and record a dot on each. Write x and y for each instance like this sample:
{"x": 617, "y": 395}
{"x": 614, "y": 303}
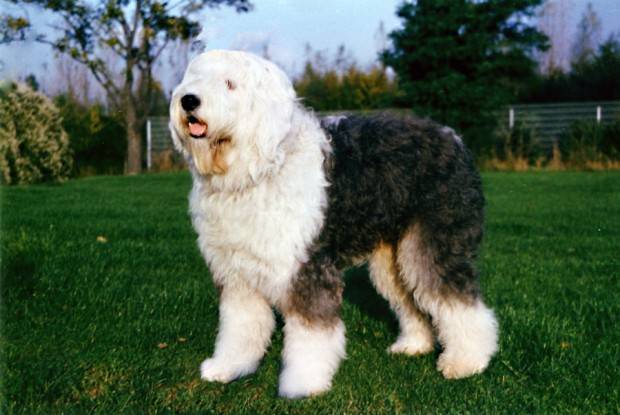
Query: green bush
{"x": 610, "y": 143}
{"x": 590, "y": 141}
{"x": 96, "y": 138}
{"x": 517, "y": 142}
{"x": 33, "y": 145}
{"x": 354, "y": 89}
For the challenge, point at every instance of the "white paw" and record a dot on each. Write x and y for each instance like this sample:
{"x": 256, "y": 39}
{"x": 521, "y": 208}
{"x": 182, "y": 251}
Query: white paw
{"x": 295, "y": 384}
{"x": 224, "y": 370}
{"x": 458, "y": 365}
{"x": 412, "y": 345}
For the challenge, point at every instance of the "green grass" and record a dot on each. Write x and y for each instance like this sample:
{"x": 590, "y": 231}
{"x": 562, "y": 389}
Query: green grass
{"x": 121, "y": 324}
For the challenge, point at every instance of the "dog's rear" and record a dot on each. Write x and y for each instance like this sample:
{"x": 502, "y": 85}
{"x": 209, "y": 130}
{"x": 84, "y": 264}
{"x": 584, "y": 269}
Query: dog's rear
{"x": 405, "y": 194}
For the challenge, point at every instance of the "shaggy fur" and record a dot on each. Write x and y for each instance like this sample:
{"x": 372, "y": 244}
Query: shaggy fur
{"x": 282, "y": 205}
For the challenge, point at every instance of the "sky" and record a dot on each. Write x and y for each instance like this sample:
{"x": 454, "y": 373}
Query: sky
{"x": 287, "y": 26}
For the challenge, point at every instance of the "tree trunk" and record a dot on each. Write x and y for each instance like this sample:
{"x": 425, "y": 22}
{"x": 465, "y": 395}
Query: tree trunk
{"x": 134, "y": 142}
{"x": 134, "y": 139}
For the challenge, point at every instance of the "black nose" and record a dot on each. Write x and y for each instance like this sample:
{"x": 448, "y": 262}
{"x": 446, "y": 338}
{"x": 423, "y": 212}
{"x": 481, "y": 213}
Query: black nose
{"x": 189, "y": 102}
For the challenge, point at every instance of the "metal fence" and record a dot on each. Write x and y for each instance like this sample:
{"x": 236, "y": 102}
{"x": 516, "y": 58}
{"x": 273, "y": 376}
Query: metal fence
{"x": 158, "y": 138}
{"x": 547, "y": 121}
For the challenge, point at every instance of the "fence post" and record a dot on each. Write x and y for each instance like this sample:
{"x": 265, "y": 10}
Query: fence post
{"x": 599, "y": 114}
{"x": 148, "y": 144}
{"x": 511, "y": 118}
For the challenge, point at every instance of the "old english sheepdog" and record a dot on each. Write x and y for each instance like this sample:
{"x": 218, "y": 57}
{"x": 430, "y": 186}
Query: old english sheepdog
{"x": 283, "y": 202}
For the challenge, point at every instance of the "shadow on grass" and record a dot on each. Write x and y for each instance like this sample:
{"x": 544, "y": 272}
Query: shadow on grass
{"x": 17, "y": 271}
{"x": 360, "y": 292}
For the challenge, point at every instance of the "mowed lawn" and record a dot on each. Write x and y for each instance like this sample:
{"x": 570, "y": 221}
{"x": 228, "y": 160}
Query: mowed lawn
{"x": 107, "y": 307}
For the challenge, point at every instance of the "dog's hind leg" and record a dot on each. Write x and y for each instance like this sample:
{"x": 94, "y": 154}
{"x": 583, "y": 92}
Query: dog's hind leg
{"x": 416, "y": 336}
{"x": 438, "y": 267}
{"x": 314, "y": 335}
{"x": 244, "y": 333}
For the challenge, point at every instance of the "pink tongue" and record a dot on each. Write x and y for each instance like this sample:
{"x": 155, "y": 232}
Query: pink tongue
{"x": 197, "y": 129}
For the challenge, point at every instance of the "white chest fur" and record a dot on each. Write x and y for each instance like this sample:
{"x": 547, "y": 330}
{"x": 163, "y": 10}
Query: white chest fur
{"x": 261, "y": 235}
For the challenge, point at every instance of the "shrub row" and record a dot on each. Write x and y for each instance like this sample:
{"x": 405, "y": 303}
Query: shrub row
{"x": 585, "y": 145}
{"x": 34, "y": 147}
{"x": 45, "y": 140}
{"x": 50, "y": 140}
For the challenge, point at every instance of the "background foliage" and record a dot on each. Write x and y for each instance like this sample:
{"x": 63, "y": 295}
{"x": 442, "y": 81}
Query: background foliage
{"x": 594, "y": 78}
{"x": 135, "y": 33}
{"x": 34, "y": 147}
{"x": 341, "y": 84}
{"x": 587, "y": 141}
{"x": 459, "y": 61}
{"x": 96, "y": 138}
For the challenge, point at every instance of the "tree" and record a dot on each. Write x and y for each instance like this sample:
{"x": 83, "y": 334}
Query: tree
{"x": 598, "y": 78}
{"x": 460, "y": 60}
{"x": 95, "y": 138}
{"x": 136, "y": 32}
{"x": 380, "y": 38}
{"x": 72, "y": 78}
{"x": 339, "y": 84}
{"x": 588, "y": 36}
{"x": 553, "y": 21}
{"x": 32, "y": 82}
{"x": 595, "y": 79}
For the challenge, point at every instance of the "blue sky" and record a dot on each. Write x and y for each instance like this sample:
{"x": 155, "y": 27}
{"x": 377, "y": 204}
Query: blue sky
{"x": 287, "y": 26}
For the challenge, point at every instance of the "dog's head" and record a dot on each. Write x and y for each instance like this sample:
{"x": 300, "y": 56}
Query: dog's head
{"x": 231, "y": 114}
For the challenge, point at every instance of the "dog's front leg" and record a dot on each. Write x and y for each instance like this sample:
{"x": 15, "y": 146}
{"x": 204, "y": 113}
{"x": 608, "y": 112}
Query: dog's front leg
{"x": 246, "y": 324}
{"x": 314, "y": 338}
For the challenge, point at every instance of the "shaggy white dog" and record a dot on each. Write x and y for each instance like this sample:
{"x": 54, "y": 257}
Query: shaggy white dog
{"x": 279, "y": 213}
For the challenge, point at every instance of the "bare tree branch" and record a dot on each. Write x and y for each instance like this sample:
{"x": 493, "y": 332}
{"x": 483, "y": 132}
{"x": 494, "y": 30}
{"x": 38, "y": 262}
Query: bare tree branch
{"x": 134, "y": 27}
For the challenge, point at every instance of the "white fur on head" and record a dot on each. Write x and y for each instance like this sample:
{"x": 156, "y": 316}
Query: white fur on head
{"x": 242, "y": 97}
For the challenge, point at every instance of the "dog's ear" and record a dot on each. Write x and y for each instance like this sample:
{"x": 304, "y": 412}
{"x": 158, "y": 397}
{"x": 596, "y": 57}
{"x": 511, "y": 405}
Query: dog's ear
{"x": 271, "y": 131}
{"x": 275, "y": 102}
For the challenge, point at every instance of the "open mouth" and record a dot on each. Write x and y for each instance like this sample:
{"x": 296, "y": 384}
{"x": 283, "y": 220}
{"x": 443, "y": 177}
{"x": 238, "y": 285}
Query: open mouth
{"x": 197, "y": 128}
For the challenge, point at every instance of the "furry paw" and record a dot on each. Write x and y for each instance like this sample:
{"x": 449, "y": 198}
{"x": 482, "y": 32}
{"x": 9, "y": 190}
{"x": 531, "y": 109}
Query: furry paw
{"x": 295, "y": 384}
{"x": 412, "y": 346}
{"x": 223, "y": 370}
{"x": 469, "y": 337}
{"x": 457, "y": 366}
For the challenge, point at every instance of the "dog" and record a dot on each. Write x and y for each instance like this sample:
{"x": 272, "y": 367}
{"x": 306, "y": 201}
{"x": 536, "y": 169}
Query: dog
{"x": 282, "y": 202}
